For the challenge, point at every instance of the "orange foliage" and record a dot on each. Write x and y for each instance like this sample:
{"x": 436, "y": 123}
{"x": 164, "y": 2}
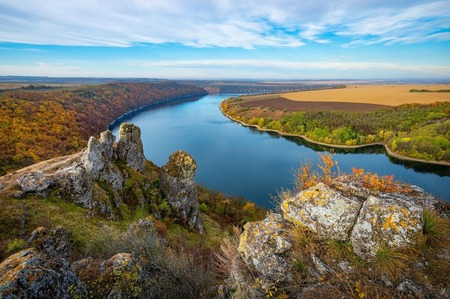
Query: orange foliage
{"x": 40, "y": 124}
{"x": 373, "y": 182}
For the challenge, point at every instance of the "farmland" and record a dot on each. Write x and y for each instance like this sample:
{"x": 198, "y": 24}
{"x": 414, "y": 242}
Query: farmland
{"x": 412, "y": 121}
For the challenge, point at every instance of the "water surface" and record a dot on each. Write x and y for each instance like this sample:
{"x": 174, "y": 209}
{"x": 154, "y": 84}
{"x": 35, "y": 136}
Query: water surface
{"x": 242, "y": 161}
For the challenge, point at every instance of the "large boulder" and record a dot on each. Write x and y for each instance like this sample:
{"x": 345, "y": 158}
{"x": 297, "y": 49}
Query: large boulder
{"x": 324, "y": 211}
{"x": 31, "y": 274}
{"x": 178, "y": 186}
{"x": 129, "y": 147}
{"x": 36, "y": 182}
{"x": 263, "y": 246}
{"x": 387, "y": 221}
{"x": 75, "y": 184}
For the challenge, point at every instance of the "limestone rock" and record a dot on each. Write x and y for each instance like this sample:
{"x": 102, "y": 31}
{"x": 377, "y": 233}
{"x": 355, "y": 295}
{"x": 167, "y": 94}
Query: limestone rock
{"x": 75, "y": 184}
{"x": 30, "y": 274}
{"x": 387, "y": 221}
{"x": 178, "y": 185}
{"x": 107, "y": 141}
{"x": 34, "y": 182}
{"x": 54, "y": 243}
{"x": 93, "y": 157}
{"x": 263, "y": 247}
{"x": 96, "y": 159}
{"x": 129, "y": 147}
{"x": 323, "y": 210}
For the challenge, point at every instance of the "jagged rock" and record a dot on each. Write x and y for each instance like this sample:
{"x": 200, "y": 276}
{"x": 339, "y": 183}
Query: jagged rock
{"x": 323, "y": 210}
{"x": 30, "y": 274}
{"x": 54, "y": 243}
{"x": 75, "y": 184}
{"x": 178, "y": 185}
{"x": 34, "y": 182}
{"x": 107, "y": 141}
{"x": 129, "y": 147}
{"x": 387, "y": 221}
{"x": 262, "y": 246}
{"x": 93, "y": 157}
{"x": 96, "y": 159}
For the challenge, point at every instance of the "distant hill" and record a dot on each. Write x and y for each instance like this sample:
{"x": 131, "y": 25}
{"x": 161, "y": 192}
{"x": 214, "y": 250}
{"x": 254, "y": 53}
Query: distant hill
{"x": 38, "y": 124}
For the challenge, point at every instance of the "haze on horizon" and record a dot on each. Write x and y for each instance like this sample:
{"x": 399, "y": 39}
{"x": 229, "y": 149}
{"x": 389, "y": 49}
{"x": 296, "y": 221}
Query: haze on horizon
{"x": 225, "y": 39}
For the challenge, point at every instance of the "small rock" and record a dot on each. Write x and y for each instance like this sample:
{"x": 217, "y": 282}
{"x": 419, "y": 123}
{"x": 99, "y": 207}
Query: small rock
{"x": 54, "y": 243}
{"x": 107, "y": 141}
{"x": 410, "y": 289}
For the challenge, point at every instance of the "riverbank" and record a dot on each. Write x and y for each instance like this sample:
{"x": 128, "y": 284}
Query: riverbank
{"x": 388, "y": 150}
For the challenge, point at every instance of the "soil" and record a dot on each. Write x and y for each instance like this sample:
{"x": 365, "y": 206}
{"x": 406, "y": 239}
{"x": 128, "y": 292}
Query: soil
{"x": 281, "y": 103}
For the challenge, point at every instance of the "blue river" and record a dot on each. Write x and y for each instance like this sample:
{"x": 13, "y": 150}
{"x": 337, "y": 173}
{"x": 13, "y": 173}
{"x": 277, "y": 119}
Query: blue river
{"x": 242, "y": 161}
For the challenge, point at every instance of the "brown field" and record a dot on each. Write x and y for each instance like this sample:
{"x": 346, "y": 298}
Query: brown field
{"x": 390, "y": 95}
{"x": 279, "y": 103}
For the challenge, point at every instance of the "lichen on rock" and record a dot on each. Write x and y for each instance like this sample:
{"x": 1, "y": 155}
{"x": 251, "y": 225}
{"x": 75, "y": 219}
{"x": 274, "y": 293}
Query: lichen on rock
{"x": 129, "y": 147}
{"x": 178, "y": 186}
{"x": 323, "y": 210}
{"x": 262, "y": 246}
{"x": 387, "y": 221}
{"x": 31, "y": 274}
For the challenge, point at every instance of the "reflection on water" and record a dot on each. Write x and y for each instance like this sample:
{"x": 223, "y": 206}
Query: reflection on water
{"x": 243, "y": 161}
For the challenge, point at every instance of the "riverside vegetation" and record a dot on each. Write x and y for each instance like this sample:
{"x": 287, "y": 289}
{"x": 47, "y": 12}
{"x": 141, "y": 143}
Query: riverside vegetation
{"x": 420, "y": 131}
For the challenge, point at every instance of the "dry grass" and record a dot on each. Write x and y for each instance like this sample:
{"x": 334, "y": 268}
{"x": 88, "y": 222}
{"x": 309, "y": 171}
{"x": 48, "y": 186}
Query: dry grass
{"x": 391, "y": 95}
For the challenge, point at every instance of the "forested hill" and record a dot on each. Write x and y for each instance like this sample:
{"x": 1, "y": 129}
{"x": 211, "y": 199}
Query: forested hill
{"x": 40, "y": 124}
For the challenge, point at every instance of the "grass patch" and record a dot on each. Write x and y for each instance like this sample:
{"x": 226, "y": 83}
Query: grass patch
{"x": 390, "y": 262}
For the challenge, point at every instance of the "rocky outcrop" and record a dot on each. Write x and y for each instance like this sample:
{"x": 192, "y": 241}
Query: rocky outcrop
{"x": 178, "y": 185}
{"x": 31, "y": 274}
{"x": 129, "y": 147}
{"x": 263, "y": 245}
{"x": 34, "y": 182}
{"x": 388, "y": 221}
{"x": 324, "y": 211}
{"x": 359, "y": 220}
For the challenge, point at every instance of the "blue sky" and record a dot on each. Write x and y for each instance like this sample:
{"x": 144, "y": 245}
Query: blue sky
{"x": 226, "y": 39}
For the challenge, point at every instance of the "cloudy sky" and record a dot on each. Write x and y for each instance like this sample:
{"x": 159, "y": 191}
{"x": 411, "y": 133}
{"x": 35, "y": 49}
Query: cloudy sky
{"x": 226, "y": 39}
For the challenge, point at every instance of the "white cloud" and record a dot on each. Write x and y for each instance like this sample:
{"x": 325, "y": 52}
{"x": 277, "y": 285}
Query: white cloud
{"x": 221, "y": 23}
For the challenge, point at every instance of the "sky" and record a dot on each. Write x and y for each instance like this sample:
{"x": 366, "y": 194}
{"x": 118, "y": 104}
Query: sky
{"x": 226, "y": 39}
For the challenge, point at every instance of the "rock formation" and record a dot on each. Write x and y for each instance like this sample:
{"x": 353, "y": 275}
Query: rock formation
{"x": 45, "y": 273}
{"x": 129, "y": 147}
{"x": 344, "y": 211}
{"x": 178, "y": 185}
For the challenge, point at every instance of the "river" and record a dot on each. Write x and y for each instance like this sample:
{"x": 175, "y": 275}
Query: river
{"x": 242, "y": 161}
